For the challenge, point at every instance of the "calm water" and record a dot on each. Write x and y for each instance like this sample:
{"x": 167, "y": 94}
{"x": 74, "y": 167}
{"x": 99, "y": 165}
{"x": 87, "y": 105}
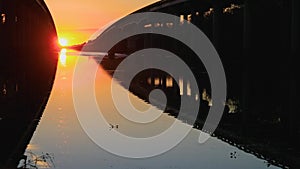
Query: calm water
{"x": 60, "y": 142}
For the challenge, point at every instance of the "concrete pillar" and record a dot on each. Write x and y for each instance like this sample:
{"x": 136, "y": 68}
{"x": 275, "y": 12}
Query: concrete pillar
{"x": 164, "y": 81}
{"x": 152, "y": 80}
{"x": 175, "y": 87}
{"x": 294, "y": 78}
{"x": 247, "y": 41}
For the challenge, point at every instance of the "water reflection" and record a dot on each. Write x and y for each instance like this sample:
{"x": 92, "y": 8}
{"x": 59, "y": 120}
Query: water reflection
{"x": 61, "y": 135}
{"x": 63, "y": 57}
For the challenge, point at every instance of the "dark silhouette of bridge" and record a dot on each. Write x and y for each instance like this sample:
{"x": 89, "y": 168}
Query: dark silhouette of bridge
{"x": 258, "y": 42}
{"x": 27, "y": 69}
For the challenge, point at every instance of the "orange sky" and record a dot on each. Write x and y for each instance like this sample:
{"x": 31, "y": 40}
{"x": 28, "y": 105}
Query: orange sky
{"x": 77, "y": 20}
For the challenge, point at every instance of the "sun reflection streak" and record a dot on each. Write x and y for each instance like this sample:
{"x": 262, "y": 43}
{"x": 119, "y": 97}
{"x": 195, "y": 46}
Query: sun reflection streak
{"x": 63, "y": 57}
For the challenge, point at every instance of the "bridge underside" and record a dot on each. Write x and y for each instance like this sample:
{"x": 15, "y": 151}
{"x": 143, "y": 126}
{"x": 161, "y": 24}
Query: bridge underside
{"x": 27, "y": 70}
{"x": 258, "y": 42}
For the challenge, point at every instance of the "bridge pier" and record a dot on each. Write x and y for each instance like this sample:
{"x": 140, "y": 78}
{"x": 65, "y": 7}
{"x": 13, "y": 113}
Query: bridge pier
{"x": 294, "y": 115}
{"x": 245, "y": 94}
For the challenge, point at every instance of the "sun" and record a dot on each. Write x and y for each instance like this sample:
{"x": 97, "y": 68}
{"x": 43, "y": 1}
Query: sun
{"x": 63, "y": 42}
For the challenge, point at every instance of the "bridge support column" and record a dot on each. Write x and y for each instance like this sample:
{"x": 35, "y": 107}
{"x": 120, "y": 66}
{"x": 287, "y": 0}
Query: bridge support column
{"x": 294, "y": 79}
{"x": 164, "y": 82}
{"x": 247, "y": 43}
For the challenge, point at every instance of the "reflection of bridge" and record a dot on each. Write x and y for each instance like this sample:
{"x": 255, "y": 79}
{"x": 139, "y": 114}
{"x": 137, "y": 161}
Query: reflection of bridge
{"x": 251, "y": 37}
{"x": 27, "y": 69}
{"x": 258, "y": 42}
{"x": 244, "y": 34}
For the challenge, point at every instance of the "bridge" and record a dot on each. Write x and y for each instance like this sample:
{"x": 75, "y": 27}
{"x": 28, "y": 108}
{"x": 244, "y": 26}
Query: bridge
{"x": 27, "y": 69}
{"x": 258, "y": 42}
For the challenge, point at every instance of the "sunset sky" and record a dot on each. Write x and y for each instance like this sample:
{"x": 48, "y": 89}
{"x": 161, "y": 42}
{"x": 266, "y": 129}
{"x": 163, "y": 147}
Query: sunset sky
{"x": 77, "y": 20}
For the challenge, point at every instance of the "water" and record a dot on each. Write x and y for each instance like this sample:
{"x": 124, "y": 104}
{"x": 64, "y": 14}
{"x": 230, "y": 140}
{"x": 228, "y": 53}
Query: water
{"x": 60, "y": 142}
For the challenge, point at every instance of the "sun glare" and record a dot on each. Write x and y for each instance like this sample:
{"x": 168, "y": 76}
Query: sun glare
{"x": 63, "y": 42}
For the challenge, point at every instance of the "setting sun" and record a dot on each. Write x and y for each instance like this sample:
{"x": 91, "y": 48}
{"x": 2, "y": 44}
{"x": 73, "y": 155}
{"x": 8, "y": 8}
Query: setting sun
{"x": 63, "y": 42}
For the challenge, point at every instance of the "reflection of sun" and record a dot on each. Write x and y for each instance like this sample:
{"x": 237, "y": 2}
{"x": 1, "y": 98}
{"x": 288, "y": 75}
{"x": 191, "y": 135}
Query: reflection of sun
{"x": 63, "y": 57}
{"x": 63, "y": 42}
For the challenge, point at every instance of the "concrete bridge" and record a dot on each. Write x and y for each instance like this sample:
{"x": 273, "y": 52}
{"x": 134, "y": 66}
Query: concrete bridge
{"x": 258, "y": 42}
{"x": 27, "y": 68}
